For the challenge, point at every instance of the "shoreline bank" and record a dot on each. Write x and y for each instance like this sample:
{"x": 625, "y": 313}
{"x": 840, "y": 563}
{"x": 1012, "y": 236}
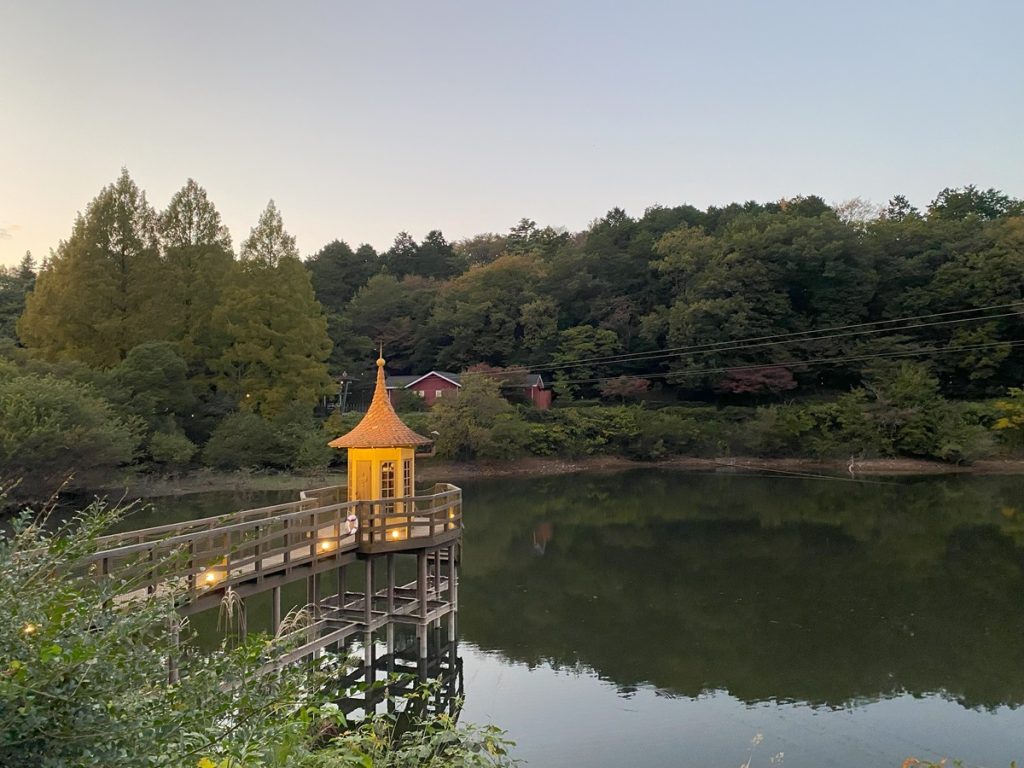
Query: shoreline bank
{"x": 435, "y": 470}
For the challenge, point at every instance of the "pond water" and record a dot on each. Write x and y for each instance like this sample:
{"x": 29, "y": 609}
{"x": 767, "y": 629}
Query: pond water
{"x": 652, "y": 618}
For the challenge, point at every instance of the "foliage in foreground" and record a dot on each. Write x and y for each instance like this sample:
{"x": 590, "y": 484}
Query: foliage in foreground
{"x": 83, "y": 681}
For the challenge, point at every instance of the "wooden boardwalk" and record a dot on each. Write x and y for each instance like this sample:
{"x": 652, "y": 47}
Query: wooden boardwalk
{"x": 201, "y": 563}
{"x": 254, "y": 550}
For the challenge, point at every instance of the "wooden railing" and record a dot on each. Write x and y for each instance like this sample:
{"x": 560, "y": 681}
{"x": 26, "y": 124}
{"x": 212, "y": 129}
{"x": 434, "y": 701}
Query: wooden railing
{"x": 389, "y": 525}
{"x": 250, "y": 546}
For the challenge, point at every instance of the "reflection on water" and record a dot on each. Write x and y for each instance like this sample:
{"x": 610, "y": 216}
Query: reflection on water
{"x": 813, "y": 611}
{"x": 651, "y": 618}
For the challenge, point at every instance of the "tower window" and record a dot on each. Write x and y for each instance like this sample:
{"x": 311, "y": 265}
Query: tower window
{"x": 387, "y": 483}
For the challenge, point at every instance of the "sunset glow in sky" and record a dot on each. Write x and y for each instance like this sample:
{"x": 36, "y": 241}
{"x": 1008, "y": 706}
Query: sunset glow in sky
{"x": 364, "y": 119}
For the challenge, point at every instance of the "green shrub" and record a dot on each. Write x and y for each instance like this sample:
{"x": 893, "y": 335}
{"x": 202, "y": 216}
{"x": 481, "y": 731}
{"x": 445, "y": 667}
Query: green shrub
{"x": 245, "y": 439}
{"x": 479, "y": 423}
{"x": 171, "y": 448}
{"x": 777, "y": 430}
{"x": 51, "y": 428}
{"x": 407, "y": 401}
{"x": 84, "y": 680}
{"x": 312, "y": 453}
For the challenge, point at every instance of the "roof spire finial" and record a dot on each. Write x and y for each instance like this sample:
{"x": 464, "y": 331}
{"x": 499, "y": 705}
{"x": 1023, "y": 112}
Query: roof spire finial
{"x": 380, "y": 427}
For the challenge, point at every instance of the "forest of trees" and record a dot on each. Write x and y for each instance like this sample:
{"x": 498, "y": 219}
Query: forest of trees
{"x": 146, "y": 338}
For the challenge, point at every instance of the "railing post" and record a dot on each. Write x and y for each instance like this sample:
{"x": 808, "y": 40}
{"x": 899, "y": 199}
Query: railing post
{"x": 151, "y": 574}
{"x": 313, "y": 532}
{"x": 105, "y": 571}
{"x": 257, "y": 563}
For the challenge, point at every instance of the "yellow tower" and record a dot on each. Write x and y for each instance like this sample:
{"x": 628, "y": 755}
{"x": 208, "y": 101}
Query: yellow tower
{"x": 381, "y": 454}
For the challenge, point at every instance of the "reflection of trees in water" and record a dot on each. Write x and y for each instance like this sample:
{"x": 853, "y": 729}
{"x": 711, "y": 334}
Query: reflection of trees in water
{"x": 771, "y": 588}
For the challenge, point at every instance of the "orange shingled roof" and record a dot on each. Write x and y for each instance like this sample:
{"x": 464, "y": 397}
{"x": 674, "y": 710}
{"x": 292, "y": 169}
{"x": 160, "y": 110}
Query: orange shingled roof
{"x": 380, "y": 427}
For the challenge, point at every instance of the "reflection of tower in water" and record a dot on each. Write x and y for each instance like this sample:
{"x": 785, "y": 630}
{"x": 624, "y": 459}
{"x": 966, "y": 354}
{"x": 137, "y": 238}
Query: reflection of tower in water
{"x": 542, "y": 534}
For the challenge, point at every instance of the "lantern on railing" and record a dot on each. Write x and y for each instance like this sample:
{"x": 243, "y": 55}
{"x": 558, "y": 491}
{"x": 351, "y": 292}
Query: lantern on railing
{"x": 211, "y": 576}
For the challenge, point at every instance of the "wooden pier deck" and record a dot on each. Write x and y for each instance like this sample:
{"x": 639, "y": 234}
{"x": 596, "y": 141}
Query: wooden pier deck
{"x": 254, "y": 550}
{"x": 203, "y": 562}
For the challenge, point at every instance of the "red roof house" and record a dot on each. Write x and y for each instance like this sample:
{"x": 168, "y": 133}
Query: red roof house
{"x": 435, "y": 385}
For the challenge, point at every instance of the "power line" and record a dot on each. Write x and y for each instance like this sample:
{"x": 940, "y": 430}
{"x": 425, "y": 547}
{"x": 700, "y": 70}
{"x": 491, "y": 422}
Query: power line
{"x": 903, "y": 329}
{"x": 772, "y": 340}
{"x": 796, "y": 363}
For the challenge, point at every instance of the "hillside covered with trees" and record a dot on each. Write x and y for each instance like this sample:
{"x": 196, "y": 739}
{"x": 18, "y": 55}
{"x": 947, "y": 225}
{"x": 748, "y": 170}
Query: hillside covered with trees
{"x": 784, "y": 328}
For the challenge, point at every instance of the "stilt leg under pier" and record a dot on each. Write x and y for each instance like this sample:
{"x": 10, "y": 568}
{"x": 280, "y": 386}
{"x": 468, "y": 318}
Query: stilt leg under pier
{"x": 368, "y": 652}
{"x": 368, "y": 597}
{"x": 243, "y": 629}
{"x": 342, "y": 586}
{"x": 391, "y": 585}
{"x": 275, "y": 610}
{"x": 437, "y": 573}
{"x": 313, "y": 593}
{"x": 172, "y": 658}
{"x": 421, "y": 582}
{"x": 371, "y": 703}
{"x": 421, "y": 656}
{"x": 391, "y": 660}
{"x": 453, "y": 578}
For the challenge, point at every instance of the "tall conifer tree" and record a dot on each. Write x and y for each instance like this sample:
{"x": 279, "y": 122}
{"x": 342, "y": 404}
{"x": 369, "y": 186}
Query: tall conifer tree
{"x": 276, "y": 330}
{"x": 102, "y": 293}
{"x": 198, "y": 263}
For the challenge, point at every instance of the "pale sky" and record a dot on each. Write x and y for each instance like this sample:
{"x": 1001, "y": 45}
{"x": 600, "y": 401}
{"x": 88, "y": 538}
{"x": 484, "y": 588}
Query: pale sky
{"x": 364, "y": 119}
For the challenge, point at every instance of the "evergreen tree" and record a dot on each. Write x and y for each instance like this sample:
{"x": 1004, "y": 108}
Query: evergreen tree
{"x": 198, "y": 265}
{"x": 338, "y": 273}
{"x": 400, "y": 258}
{"x": 274, "y": 328}
{"x": 15, "y": 284}
{"x": 104, "y": 291}
{"x": 268, "y": 241}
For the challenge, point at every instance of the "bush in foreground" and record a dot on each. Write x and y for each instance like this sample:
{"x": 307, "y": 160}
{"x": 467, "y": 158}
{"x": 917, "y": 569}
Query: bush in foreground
{"x": 83, "y": 681}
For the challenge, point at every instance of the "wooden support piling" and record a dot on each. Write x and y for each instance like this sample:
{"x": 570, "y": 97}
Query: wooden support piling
{"x": 368, "y": 593}
{"x": 275, "y": 610}
{"x": 421, "y": 582}
{"x": 172, "y": 658}
{"x": 453, "y": 577}
{"x": 391, "y": 583}
{"x": 437, "y": 573}
{"x": 313, "y": 593}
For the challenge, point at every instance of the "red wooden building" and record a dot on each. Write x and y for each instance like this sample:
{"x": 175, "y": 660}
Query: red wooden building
{"x": 435, "y": 385}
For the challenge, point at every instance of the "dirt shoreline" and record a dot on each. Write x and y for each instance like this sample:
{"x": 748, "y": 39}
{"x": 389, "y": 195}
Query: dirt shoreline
{"x": 435, "y": 470}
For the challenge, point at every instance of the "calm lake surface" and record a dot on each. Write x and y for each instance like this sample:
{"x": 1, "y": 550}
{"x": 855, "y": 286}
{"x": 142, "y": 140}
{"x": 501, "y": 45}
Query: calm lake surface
{"x": 652, "y": 618}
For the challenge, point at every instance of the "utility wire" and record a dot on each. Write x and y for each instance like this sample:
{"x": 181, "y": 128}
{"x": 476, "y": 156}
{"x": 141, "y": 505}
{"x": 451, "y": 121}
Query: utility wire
{"x": 795, "y": 363}
{"x": 903, "y": 329}
{"x": 771, "y": 340}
